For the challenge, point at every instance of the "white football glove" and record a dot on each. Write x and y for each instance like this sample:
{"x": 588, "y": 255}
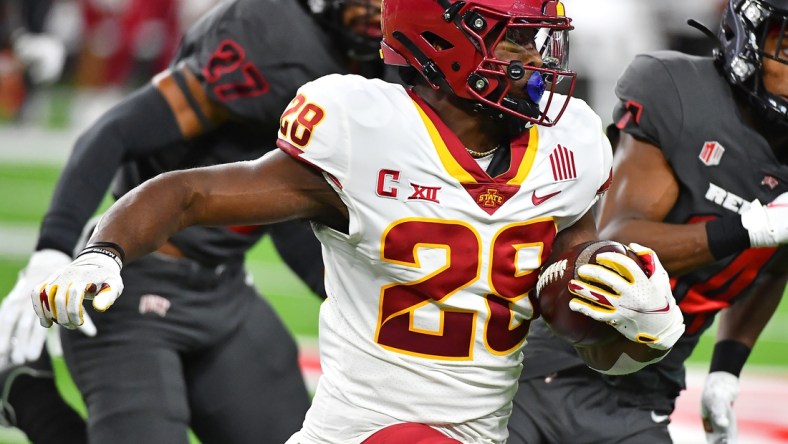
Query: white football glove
{"x": 21, "y": 337}
{"x": 43, "y": 54}
{"x": 767, "y": 225}
{"x": 641, "y": 306}
{"x": 92, "y": 276}
{"x": 716, "y": 406}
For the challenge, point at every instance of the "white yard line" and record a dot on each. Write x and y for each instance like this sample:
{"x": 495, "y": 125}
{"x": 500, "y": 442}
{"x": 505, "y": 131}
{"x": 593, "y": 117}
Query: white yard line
{"x": 35, "y": 145}
{"x": 17, "y": 240}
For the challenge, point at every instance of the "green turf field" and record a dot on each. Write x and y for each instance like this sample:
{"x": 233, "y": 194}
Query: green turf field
{"x": 26, "y": 190}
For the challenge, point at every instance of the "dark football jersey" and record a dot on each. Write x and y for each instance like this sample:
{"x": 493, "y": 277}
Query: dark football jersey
{"x": 251, "y": 56}
{"x": 682, "y": 104}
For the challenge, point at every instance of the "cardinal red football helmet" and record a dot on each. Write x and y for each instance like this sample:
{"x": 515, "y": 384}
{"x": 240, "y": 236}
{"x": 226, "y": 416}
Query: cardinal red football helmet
{"x": 451, "y": 44}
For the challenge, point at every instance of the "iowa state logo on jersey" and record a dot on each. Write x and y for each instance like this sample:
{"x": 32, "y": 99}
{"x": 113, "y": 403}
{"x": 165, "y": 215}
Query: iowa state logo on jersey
{"x": 491, "y": 198}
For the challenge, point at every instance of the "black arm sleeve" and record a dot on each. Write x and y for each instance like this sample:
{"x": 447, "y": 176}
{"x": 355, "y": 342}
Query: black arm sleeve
{"x": 140, "y": 125}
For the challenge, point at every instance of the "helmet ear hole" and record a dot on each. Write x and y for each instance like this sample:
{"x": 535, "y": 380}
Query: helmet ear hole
{"x": 437, "y": 42}
{"x": 491, "y": 36}
{"x": 727, "y": 33}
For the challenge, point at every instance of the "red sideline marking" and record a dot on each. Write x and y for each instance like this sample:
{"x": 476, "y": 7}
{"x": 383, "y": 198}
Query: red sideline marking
{"x": 309, "y": 362}
{"x": 760, "y": 407}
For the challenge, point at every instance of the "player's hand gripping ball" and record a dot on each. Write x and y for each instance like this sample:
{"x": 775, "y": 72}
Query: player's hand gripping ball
{"x": 554, "y": 296}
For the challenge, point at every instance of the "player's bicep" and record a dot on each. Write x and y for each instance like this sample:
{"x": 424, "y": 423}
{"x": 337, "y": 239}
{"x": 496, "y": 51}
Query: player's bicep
{"x": 643, "y": 187}
{"x": 274, "y": 188}
{"x": 194, "y": 111}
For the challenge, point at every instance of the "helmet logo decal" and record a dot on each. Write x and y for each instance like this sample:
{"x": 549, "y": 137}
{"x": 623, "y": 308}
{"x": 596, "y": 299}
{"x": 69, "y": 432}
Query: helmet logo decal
{"x": 711, "y": 153}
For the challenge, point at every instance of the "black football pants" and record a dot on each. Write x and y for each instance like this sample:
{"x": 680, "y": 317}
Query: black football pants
{"x": 576, "y": 406}
{"x": 187, "y": 346}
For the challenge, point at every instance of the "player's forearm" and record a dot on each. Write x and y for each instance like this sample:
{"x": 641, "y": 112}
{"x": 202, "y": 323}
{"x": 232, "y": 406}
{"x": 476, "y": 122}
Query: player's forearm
{"x": 271, "y": 189}
{"x": 680, "y": 248}
{"x": 143, "y": 220}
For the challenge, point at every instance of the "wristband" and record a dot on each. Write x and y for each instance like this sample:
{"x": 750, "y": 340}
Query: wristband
{"x": 112, "y": 245}
{"x": 726, "y": 236}
{"x": 729, "y": 356}
{"x": 104, "y": 251}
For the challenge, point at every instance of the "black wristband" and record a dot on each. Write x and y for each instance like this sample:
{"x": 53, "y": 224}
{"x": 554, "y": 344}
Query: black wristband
{"x": 101, "y": 248}
{"x": 729, "y": 356}
{"x": 112, "y": 245}
{"x": 726, "y": 236}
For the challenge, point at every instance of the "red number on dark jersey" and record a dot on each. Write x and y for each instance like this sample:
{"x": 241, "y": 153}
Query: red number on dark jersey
{"x": 230, "y": 58}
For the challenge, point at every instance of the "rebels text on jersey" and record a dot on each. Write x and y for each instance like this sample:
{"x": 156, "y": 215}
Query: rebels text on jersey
{"x": 449, "y": 255}
{"x": 720, "y": 162}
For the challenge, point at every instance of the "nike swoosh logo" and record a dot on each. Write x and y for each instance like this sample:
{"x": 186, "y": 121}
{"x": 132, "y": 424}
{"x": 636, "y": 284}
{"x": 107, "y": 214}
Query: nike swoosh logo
{"x": 536, "y": 200}
{"x": 664, "y": 309}
{"x": 658, "y": 418}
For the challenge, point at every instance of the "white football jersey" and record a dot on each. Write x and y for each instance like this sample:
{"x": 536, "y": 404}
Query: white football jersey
{"x": 429, "y": 292}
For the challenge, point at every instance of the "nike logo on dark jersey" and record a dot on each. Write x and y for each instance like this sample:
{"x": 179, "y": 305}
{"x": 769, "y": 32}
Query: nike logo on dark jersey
{"x": 537, "y": 200}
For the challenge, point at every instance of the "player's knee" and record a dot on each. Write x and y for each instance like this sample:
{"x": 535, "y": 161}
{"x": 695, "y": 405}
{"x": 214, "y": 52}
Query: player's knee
{"x": 117, "y": 409}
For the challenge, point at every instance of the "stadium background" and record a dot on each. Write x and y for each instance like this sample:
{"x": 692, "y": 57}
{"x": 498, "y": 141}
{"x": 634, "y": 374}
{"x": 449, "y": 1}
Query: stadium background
{"x": 35, "y": 140}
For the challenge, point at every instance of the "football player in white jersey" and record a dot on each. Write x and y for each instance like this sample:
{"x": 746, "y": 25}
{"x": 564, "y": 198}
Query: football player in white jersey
{"x": 436, "y": 206}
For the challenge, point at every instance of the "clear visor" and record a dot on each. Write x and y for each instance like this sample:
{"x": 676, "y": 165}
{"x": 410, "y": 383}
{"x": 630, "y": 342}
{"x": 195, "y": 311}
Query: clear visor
{"x": 552, "y": 44}
{"x": 555, "y": 49}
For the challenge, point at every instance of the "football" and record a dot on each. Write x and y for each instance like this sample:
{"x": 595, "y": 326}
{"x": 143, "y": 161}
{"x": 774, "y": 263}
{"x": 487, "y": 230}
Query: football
{"x": 554, "y": 296}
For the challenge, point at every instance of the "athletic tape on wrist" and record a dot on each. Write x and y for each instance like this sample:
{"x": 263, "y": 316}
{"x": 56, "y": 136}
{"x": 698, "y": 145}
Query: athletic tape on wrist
{"x": 726, "y": 236}
{"x": 729, "y": 356}
{"x": 105, "y": 252}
